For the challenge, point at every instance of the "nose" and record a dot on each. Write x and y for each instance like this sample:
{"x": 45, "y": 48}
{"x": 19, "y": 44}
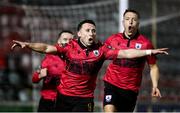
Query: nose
{"x": 131, "y": 21}
{"x": 90, "y": 32}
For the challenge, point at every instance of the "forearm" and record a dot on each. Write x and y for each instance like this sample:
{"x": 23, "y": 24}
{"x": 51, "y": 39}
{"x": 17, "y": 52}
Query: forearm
{"x": 154, "y": 73}
{"x": 40, "y": 47}
{"x": 133, "y": 53}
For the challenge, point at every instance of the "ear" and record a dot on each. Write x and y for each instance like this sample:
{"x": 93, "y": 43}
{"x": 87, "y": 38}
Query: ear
{"x": 79, "y": 34}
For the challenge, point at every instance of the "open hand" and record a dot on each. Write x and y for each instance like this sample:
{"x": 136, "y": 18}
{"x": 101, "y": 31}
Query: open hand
{"x": 18, "y": 43}
{"x": 160, "y": 51}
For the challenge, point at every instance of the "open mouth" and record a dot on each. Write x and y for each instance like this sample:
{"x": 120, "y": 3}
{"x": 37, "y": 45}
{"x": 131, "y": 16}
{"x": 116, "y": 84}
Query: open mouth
{"x": 130, "y": 28}
{"x": 90, "y": 39}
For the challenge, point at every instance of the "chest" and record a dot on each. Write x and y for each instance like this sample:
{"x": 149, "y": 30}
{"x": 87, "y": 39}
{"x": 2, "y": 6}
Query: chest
{"x": 121, "y": 43}
{"x": 85, "y": 54}
{"x": 84, "y": 62}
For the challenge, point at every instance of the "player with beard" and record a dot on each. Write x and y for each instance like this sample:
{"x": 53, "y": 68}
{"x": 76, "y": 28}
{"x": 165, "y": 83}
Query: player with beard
{"x": 50, "y": 72}
{"x": 84, "y": 58}
{"x": 123, "y": 76}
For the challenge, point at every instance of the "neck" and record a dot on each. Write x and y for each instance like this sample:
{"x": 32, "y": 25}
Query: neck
{"x": 129, "y": 37}
{"x": 82, "y": 43}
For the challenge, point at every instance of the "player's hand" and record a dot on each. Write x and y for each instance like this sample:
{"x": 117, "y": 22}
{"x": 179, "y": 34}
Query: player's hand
{"x": 156, "y": 92}
{"x": 160, "y": 51}
{"x": 18, "y": 43}
{"x": 43, "y": 73}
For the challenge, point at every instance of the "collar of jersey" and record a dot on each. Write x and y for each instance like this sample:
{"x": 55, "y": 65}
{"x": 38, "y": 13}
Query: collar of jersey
{"x": 134, "y": 37}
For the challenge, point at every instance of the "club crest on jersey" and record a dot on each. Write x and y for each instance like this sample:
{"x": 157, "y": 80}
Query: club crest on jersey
{"x": 108, "y": 98}
{"x": 96, "y": 52}
{"x": 138, "y": 46}
{"x": 109, "y": 47}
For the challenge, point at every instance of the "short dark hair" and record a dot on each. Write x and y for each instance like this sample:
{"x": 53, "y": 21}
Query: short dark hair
{"x": 131, "y": 10}
{"x": 65, "y": 31}
{"x": 83, "y": 22}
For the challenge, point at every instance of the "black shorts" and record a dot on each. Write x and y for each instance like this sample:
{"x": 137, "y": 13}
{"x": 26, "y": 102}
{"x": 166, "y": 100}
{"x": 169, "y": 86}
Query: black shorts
{"x": 123, "y": 100}
{"x": 74, "y": 104}
{"x": 46, "y": 105}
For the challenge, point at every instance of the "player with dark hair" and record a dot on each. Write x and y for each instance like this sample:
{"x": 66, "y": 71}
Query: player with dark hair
{"x": 123, "y": 76}
{"x": 51, "y": 68}
{"x": 84, "y": 58}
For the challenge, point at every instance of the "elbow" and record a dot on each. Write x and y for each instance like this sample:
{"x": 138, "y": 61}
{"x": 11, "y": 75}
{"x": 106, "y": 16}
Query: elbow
{"x": 44, "y": 50}
{"x": 50, "y": 49}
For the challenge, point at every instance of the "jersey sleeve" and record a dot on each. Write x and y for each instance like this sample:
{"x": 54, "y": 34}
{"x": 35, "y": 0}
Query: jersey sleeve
{"x": 59, "y": 48}
{"x": 63, "y": 50}
{"x": 110, "y": 53}
{"x": 35, "y": 78}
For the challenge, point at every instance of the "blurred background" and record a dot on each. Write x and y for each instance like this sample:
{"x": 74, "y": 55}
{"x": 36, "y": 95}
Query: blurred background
{"x": 42, "y": 20}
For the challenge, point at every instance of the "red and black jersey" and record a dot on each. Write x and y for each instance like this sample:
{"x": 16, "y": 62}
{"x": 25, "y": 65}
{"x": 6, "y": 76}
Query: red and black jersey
{"x": 127, "y": 73}
{"x": 82, "y": 67}
{"x": 55, "y": 65}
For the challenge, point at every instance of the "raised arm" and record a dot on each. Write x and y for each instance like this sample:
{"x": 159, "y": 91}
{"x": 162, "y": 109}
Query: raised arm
{"x": 38, "y": 47}
{"x": 134, "y": 53}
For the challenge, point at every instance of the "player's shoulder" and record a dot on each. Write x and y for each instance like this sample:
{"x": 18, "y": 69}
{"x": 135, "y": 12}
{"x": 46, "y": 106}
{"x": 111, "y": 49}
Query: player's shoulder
{"x": 50, "y": 56}
{"x": 115, "y": 35}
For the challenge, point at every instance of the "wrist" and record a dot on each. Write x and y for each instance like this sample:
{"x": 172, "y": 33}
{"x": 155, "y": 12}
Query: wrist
{"x": 148, "y": 52}
{"x": 26, "y": 44}
{"x": 154, "y": 87}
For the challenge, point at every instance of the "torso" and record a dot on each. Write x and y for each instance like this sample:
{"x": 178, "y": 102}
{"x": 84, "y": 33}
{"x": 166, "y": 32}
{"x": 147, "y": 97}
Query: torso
{"x": 82, "y": 68}
{"x": 126, "y": 73}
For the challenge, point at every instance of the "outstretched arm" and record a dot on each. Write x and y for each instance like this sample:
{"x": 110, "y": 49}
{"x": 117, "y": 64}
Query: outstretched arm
{"x": 38, "y": 47}
{"x": 134, "y": 53}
